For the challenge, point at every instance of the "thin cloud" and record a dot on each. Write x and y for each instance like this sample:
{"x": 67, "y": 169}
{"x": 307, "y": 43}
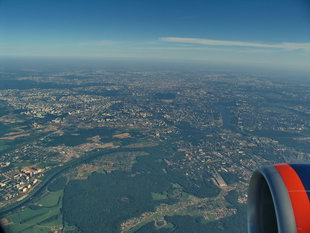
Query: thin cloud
{"x": 199, "y": 41}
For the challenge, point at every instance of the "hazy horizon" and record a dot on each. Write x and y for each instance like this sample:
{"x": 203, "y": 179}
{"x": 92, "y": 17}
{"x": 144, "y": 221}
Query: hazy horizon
{"x": 265, "y": 34}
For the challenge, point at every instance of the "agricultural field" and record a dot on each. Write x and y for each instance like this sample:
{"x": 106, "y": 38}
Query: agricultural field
{"x": 42, "y": 216}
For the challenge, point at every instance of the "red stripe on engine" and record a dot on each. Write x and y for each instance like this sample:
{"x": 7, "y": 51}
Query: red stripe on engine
{"x": 298, "y": 195}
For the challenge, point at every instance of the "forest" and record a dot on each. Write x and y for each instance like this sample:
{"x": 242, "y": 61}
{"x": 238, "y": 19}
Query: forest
{"x": 102, "y": 202}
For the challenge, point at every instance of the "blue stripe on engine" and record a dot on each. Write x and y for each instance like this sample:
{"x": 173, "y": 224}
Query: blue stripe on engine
{"x": 303, "y": 171}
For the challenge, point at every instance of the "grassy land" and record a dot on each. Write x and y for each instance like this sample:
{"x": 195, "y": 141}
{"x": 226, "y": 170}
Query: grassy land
{"x": 51, "y": 199}
{"x": 160, "y": 196}
{"x": 42, "y": 216}
{"x": 23, "y": 164}
{"x": 3, "y": 146}
{"x": 47, "y": 164}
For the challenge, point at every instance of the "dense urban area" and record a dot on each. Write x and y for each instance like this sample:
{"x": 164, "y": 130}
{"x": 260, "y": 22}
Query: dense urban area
{"x": 139, "y": 151}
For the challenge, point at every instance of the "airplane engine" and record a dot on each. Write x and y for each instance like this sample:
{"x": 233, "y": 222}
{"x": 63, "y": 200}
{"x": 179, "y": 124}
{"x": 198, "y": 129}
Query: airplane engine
{"x": 279, "y": 199}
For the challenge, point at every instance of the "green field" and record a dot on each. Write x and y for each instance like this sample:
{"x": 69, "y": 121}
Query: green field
{"x": 160, "y": 196}
{"x": 52, "y": 199}
{"x": 3, "y": 146}
{"x": 42, "y": 216}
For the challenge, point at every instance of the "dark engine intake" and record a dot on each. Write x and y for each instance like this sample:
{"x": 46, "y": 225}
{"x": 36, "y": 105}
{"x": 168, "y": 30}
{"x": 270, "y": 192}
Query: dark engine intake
{"x": 279, "y": 199}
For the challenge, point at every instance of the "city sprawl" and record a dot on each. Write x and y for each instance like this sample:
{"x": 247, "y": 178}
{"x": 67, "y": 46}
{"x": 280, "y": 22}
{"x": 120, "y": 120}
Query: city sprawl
{"x": 170, "y": 146}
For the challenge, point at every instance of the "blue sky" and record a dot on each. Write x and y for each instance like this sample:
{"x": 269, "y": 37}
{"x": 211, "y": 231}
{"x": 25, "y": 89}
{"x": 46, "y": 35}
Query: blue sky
{"x": 270, "y": 33}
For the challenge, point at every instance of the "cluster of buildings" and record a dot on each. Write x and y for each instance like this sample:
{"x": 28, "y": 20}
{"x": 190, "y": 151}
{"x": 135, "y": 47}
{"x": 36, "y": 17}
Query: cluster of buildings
{"x": 17, "y": 183}
{"x": 212, "y": 121}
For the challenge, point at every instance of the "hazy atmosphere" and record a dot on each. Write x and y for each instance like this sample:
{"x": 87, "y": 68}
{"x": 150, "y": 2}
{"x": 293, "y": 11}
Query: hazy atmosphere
{"x": 257, "y": 33}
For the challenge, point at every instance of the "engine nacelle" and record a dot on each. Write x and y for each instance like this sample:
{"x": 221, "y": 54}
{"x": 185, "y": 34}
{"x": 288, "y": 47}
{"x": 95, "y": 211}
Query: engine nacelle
{"x": 279, "y": 199}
